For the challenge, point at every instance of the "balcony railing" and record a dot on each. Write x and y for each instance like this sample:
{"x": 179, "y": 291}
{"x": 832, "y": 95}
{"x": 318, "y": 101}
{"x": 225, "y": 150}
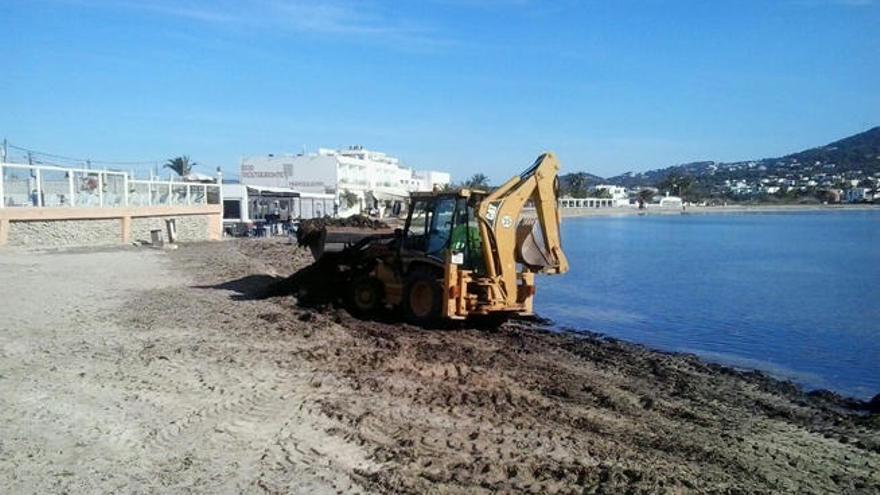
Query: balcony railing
{"x": 48, "y": 186}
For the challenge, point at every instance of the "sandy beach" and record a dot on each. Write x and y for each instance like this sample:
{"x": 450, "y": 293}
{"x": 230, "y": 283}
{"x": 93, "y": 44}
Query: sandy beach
{"x": 141, "y": 370}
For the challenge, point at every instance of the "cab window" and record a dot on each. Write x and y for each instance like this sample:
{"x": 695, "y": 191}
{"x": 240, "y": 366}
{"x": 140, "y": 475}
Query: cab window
{"x": 441, "y": 227}
{"x": 416, "y": 228}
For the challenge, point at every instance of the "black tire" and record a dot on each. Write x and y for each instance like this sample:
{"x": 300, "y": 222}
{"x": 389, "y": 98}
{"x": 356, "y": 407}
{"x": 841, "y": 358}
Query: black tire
{"x": 423, "y": 297}
{"x": 366, "y": 296}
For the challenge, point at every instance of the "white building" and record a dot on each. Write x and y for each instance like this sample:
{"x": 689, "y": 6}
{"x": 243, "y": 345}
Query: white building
{"x": 671, "y": 202}
{"x": 619, "y": 194}
{"x": 430, "y": 179}
{"x": 858, "y": 194}
{"x": 375, "y": 179}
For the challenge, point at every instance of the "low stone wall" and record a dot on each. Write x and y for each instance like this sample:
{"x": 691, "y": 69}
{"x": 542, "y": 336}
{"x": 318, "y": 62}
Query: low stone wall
{"x": 194, "y": 228}
{"x": 65, "y": 233}
{"x": 52, "y": 227}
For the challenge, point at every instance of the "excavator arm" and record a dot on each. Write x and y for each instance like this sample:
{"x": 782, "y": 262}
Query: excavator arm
{"x": 499, "y": 220}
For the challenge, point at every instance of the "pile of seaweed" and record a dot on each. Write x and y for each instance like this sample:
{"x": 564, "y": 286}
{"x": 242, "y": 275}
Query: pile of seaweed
{"x": 309, "y": 230}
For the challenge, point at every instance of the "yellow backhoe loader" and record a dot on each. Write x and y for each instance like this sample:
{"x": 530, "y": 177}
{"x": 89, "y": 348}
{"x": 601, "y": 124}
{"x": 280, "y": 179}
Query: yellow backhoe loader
{"x": 460, "y": 254}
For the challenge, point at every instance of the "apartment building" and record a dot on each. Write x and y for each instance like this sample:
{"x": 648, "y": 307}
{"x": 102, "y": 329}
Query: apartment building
{"x": 374, "y": 178}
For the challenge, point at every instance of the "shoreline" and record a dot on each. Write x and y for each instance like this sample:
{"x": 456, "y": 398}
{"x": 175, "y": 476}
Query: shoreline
{"x": 626, "y": 211}
{"x": 780, "y": 378}
{"x": 777, "y": 383}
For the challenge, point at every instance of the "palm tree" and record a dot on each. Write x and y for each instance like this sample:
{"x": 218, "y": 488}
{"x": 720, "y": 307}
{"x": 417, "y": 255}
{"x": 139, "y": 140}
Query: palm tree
{"x": 678, "y": 184}
{"x": 477, "y": 181}
{"x": 349, "y": 198}
{"x": 182, "y": 165}
{"x": 603, "y": 193}
{"x": 578, "y": 184}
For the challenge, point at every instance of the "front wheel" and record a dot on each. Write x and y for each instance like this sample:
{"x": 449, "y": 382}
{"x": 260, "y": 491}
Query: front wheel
{"x": 423, "y": 297}
{"x": 366, "y": 296}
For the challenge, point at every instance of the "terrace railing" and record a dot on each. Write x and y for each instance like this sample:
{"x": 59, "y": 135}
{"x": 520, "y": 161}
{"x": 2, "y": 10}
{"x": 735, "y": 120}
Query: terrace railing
{"x": 45, "y": 186}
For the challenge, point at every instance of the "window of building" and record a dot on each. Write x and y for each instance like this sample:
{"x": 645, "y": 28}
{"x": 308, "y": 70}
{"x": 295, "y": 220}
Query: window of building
{"x": 232, "y": 209}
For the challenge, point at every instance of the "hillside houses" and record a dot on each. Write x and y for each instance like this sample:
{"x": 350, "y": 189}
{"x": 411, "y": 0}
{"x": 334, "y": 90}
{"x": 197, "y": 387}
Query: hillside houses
{"x": 804, "y": 180}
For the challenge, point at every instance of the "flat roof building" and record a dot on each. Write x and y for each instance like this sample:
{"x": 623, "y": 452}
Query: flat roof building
{"x": 371, "y": 177}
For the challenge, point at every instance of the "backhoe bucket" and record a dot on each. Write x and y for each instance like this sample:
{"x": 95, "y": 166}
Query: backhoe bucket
{"x": 530, "y": 250}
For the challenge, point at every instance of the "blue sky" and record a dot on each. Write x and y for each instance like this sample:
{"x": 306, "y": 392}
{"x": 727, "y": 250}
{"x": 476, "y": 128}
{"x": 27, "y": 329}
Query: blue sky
{"x": 458, "y": 85}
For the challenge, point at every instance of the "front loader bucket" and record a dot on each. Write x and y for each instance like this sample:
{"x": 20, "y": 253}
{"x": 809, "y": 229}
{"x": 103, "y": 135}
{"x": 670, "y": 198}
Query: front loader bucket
{"x": 530, "y": 250}
{"x": 335, "y": 239}
{"x": 316, "y": 243}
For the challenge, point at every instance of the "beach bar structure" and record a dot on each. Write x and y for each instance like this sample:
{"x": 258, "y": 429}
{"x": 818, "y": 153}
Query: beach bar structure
{"x": 44, "y": 205}
{"x": 246, "y": 204}
{"x": 587, "y": 203}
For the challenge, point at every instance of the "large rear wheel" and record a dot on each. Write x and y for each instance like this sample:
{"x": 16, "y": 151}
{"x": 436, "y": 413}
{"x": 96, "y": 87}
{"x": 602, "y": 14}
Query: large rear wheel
{"x": 423, "y": 297}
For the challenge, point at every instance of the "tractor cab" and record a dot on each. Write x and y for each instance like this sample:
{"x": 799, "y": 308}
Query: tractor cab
{"x": 444, "y": 224}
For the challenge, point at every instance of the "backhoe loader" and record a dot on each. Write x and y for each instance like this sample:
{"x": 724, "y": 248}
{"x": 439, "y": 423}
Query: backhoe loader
{"x": 461, "y": 254}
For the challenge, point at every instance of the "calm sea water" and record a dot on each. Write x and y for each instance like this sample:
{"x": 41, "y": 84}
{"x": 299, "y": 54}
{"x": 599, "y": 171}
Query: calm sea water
{"x": 796, "y": 295}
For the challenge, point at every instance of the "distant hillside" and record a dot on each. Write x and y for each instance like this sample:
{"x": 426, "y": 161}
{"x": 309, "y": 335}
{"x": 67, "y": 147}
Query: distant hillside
{"x": 857, "y": 156}
{"x": 578, "y": 183}
{"x": 858, "y": 152}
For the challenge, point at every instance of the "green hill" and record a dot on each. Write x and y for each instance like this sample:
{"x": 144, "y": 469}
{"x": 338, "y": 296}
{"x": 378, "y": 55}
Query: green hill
{"x": 854, "y": 157}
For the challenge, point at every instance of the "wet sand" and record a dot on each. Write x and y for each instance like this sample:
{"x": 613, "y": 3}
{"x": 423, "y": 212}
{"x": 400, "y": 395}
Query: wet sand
{"x": 175, "y": 374}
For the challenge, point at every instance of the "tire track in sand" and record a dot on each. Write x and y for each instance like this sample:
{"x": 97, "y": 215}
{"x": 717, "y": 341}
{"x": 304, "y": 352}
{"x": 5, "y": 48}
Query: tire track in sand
{"x": 303, "y": 456}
